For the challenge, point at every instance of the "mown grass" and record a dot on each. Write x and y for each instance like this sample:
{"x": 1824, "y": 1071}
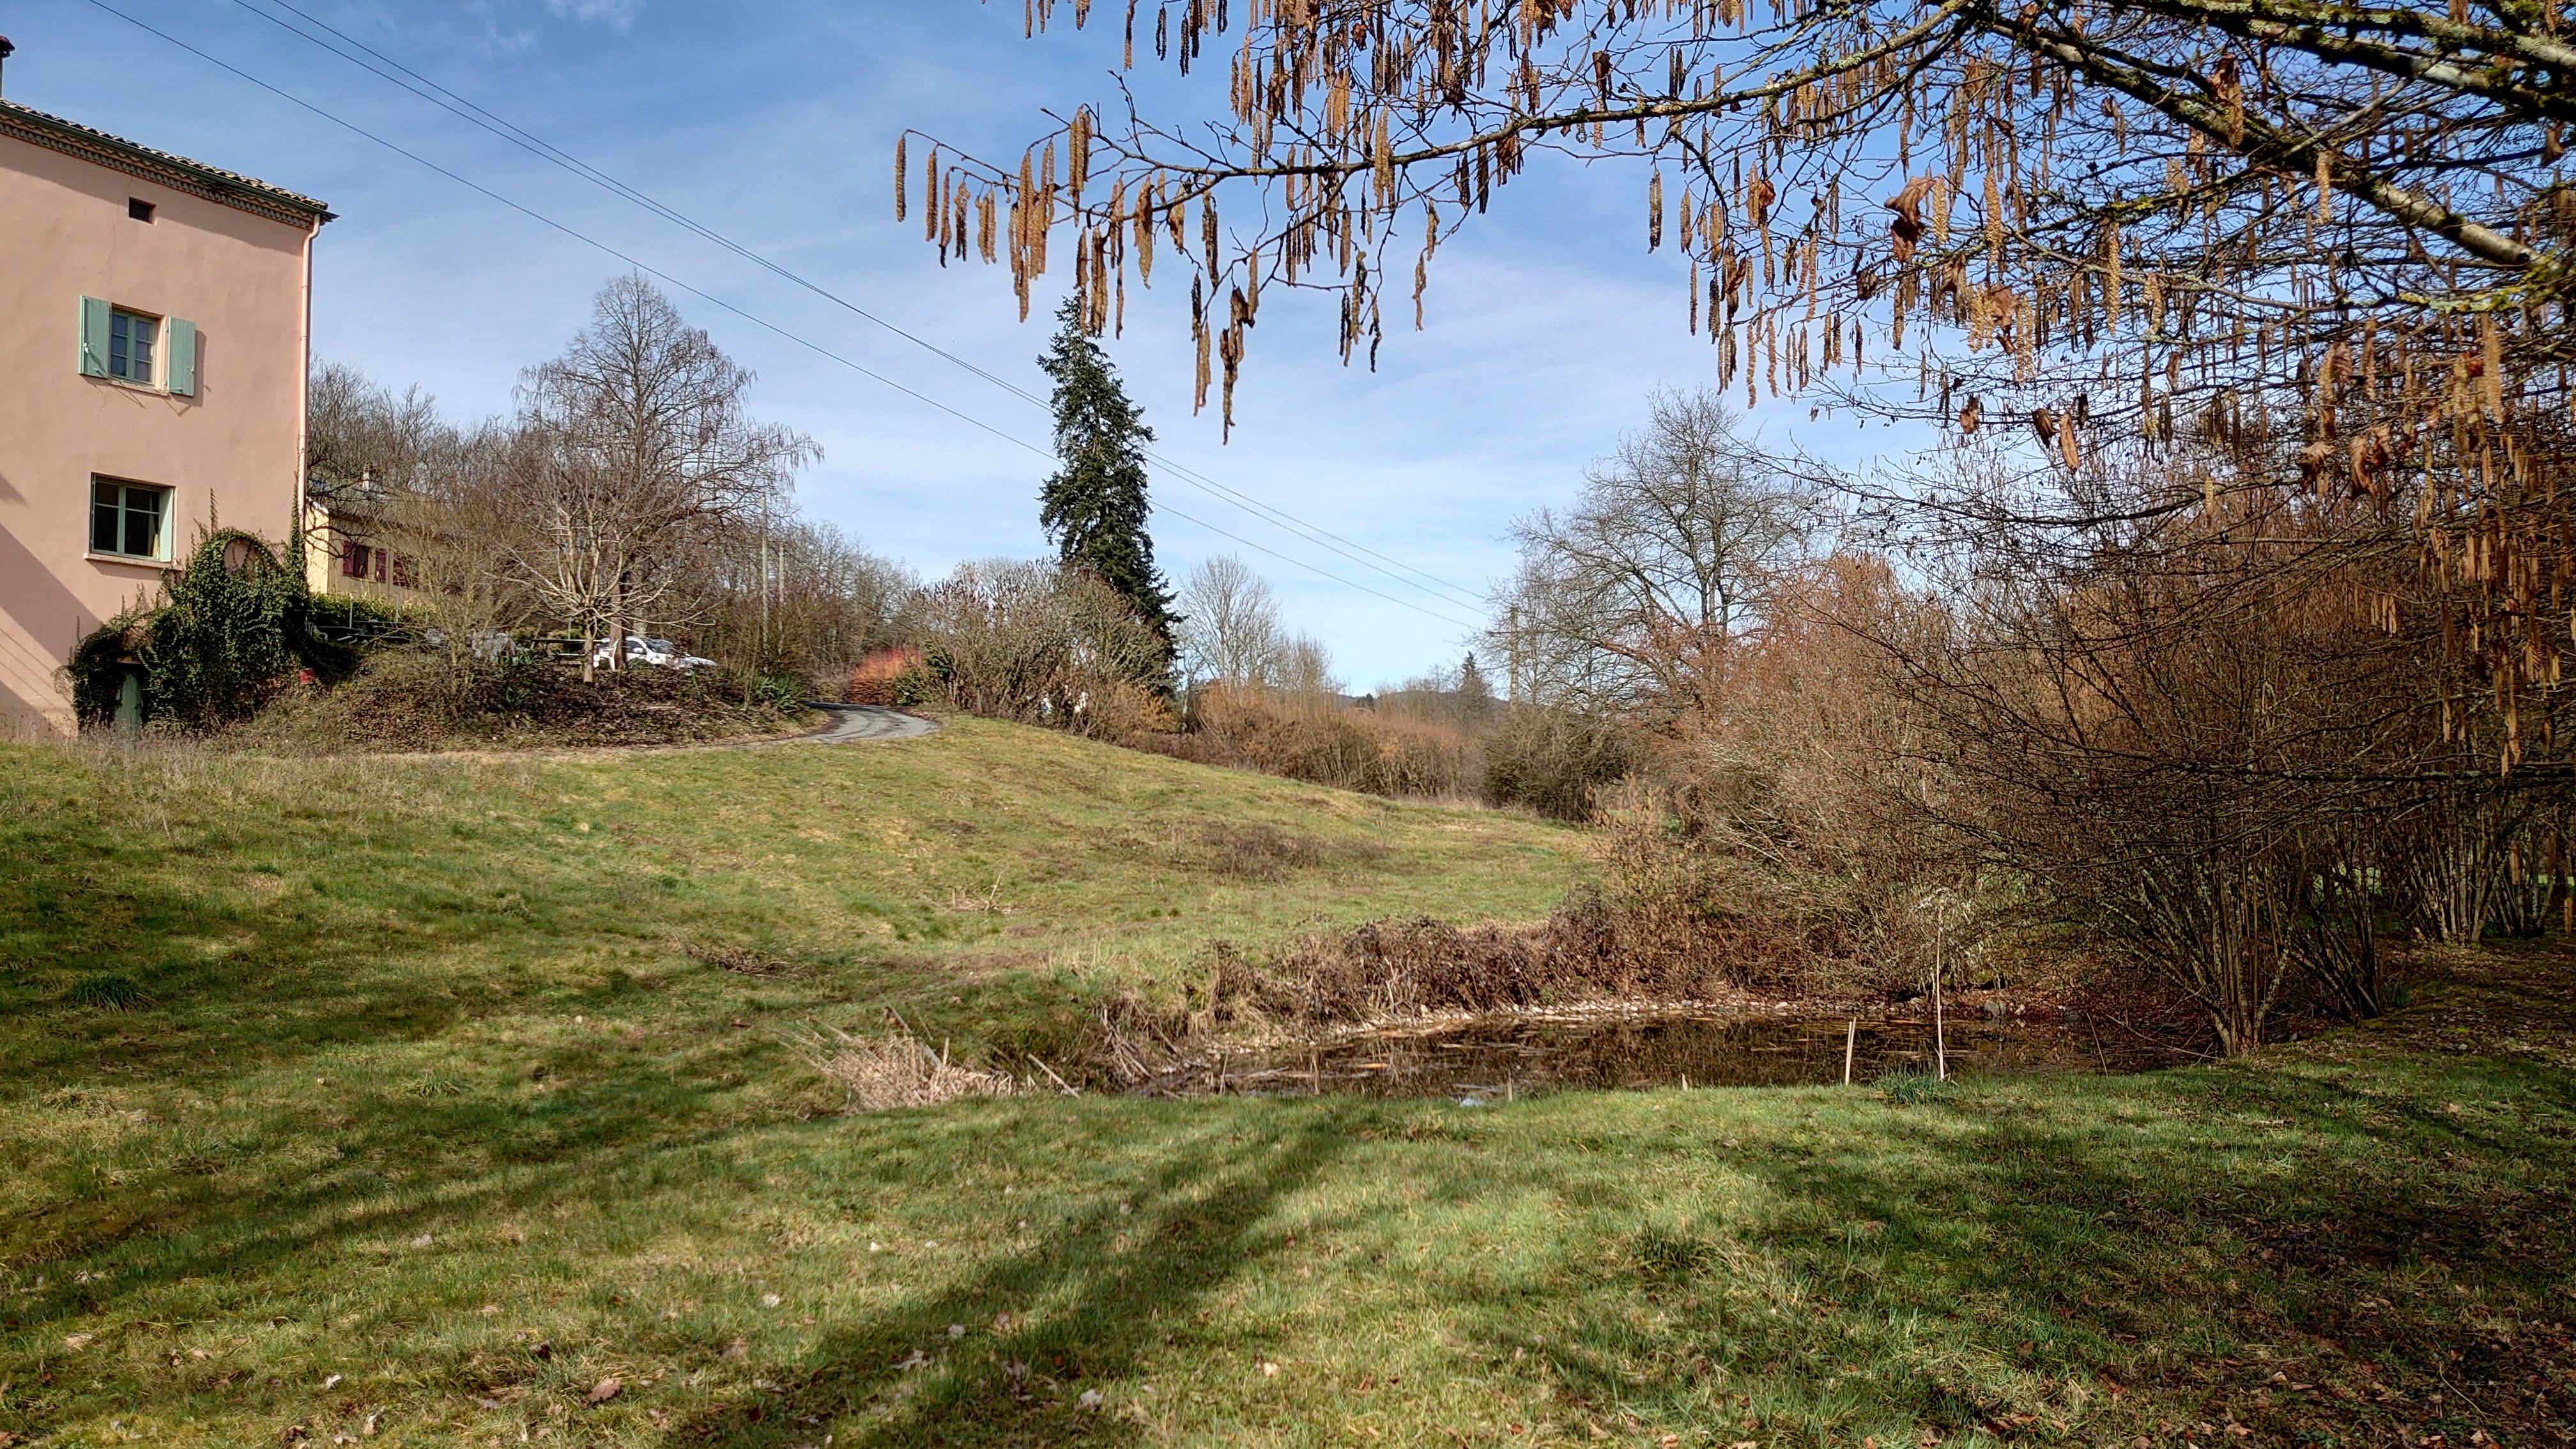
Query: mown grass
{"x": 411, "y": 1118}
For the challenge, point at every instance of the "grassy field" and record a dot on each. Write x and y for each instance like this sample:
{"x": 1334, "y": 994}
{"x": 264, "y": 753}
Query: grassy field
{"x": 385, "y": 1100}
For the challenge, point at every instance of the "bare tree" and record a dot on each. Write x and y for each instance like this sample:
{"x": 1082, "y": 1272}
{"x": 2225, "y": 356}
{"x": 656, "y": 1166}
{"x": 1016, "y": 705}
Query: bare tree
{"x": 1305, "y": 670}
{"x": 1230, "y": 629}
{"x": 2103, "y": 227}
{"x": 361, "y": 434}
{"x": 458, "y": 515}
{"x": 638, "y": 435}
{"x": 783, "y": 596}
{"x": 1631, "y": 596}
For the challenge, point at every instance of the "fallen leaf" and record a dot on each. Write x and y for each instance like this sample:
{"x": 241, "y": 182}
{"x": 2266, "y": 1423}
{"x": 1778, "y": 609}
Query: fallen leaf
{"x": 1091, "y": 1398}
{"x": 544, "y": 1350}
{"x": 768, "y": 1300}
{"x": 77, "y": 1340}
{"x": 331, "y": 1382}
{"x": 602, "y": 1392}
{"x": 1270, "y": 1371}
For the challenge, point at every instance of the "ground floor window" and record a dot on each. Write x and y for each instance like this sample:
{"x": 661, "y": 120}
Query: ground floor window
{"x": 129, "y": 519}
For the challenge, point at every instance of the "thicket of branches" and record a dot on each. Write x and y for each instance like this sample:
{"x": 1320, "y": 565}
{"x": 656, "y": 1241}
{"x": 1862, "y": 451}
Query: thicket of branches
{"x": 2246, "y": 323}
{"x": 630, "y": 492}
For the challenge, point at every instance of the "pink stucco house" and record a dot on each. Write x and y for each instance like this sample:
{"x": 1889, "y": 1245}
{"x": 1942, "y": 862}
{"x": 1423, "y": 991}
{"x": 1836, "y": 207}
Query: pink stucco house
{"x": 153, "y": 335}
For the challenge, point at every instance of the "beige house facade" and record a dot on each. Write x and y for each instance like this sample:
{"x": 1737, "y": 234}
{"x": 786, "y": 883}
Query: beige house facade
{"x": 154, "y": 326}
{"x": 352, "y": 550}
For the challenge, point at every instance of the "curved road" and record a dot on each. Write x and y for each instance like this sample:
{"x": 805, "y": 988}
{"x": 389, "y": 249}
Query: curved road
{"x": 856, "y": 723}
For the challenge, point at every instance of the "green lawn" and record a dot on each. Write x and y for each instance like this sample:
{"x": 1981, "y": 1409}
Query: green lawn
{"x": 417, "y": 1122}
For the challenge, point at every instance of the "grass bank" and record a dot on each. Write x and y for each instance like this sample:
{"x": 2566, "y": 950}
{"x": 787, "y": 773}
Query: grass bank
{"x": 380, "y": 1099}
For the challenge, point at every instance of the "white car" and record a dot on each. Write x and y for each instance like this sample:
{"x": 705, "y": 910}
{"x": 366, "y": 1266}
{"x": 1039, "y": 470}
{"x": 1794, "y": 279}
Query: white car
{"x": 659, "y": 653}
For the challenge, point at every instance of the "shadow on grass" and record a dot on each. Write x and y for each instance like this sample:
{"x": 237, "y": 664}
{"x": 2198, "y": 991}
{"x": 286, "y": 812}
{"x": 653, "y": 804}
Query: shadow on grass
{"x": 1083, "y": 1312}
{"x": 2009, "y": 1267}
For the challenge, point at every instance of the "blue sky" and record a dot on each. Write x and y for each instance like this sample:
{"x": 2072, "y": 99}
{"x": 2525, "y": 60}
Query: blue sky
{"x": 774, "y": 123}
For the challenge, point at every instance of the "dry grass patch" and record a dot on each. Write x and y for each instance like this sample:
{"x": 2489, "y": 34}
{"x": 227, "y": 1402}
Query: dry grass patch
{"x": 896, "y": 1070}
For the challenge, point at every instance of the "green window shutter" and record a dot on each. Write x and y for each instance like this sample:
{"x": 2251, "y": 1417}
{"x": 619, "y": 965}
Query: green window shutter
{"x": 93, "y": 356}
{"x": 181, "y": 366}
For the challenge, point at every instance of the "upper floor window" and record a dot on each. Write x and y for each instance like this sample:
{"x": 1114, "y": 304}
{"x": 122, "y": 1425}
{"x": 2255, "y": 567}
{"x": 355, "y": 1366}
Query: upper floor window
{"x": 138, "y": 209}
{"x": 131, "y": 519}
{"x": 131, "y": 340}
{"x": 138, "y": 348}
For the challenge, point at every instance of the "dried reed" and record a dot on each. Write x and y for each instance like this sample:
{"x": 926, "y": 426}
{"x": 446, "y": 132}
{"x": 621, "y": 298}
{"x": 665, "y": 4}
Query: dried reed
{"x": 896, "y": 1070}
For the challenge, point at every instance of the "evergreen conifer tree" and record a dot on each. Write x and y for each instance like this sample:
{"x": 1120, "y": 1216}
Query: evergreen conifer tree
{"x": 1475, "y": 694}
{"x": 1094, "y": 507}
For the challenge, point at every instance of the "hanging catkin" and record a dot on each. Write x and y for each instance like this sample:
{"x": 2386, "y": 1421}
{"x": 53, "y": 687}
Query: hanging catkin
{"x": 2111, "y": 278}
{"x": 930, "y": 197}
{"x": 1199, "y": 334}
{"x": 1655, "y": 215}
{"x": 1023, "y": 209}
{"x": 1208, "y": 230}
{"x": 1382, "y": 163}
{"x": 1077, "y": 153}
{"x": 902, "y": 179}
{"x": 1994, "y": 223}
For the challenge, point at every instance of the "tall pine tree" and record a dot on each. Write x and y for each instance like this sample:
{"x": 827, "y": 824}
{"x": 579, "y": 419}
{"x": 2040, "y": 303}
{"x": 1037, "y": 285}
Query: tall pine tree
{"x": 1094, "y": 507}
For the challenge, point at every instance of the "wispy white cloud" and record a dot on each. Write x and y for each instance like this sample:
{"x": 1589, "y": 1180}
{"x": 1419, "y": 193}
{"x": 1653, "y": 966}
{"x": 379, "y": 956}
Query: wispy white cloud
{"x": 616, "y": 13}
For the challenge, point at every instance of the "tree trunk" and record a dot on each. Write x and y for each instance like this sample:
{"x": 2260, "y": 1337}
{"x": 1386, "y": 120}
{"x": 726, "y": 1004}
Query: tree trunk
{"x": 617, "y": 623}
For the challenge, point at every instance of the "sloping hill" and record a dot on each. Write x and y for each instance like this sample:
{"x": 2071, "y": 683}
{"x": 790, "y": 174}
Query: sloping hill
{"x": 385, "y": 1101}
{"x": 988, "y": 862}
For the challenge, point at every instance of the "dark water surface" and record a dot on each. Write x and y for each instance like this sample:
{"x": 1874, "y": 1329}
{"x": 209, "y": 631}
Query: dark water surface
{"x": 1499, "y": 1058}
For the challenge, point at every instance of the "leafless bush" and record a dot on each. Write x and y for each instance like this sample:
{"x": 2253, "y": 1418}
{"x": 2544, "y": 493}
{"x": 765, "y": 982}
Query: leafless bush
{"x": 1314, "y": 737}
{"x": 1554, "y": 761}
{"x": 1044, "y": 645}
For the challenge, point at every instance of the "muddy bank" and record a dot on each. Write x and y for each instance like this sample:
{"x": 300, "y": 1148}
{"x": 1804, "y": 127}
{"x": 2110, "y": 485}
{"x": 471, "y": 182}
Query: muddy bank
{"x": 1506, "y": 1056}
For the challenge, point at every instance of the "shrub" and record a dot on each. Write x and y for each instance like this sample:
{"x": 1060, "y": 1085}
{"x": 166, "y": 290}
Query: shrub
{"x": 405, "y": 699}
{"x": 1553, "y": 760}
{"x": 1042, "y": 645}
{"x": 232, "y": 629}
{"x": 1319, "y": 740}
{"x": 881, "y": 678}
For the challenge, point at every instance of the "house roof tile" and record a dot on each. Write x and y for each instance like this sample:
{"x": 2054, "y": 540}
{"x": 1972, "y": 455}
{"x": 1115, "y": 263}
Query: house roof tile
{"x": 213, "y": 183}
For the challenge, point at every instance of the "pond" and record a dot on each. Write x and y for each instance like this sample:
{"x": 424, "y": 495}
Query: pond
{"x": 1501, "y": 1058}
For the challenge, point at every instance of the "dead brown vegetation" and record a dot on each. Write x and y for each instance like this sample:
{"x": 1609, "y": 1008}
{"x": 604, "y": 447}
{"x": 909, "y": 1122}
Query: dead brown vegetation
{"x": 415, "y": 700}
{"x": 895, "y": 1070}
{"x": 1323, "y": 742}
{"x": 1252, "y": 851}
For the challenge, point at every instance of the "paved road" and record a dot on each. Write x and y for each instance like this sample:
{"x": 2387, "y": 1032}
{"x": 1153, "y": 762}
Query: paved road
{"x": 852, "y": 723}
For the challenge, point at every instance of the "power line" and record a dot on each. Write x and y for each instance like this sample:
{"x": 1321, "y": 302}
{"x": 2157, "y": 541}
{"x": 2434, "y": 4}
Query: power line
{"x": 467, "y": 110}
{"x": 715, "y": 301}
